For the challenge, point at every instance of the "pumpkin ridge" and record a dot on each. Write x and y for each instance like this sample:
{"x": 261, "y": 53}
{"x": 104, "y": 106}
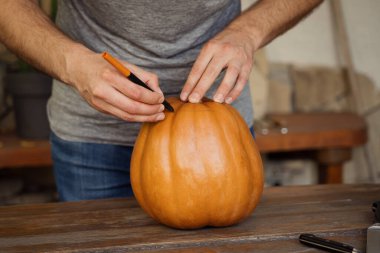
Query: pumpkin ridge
{"x": 209, "y": 214}
{"x": 142, "y": 172}
{"x": 210, "y": 112}
{"x": 171, "y": 162}
{"x": 247, "y": 170}
{"x": 231, "y": 147}
{"x": 240, "y": 125}
{"x": 253, "y": 172}
{"x": 172, "y": 198}
{"x": 177, "y": 217}
{"x": 140, "y": 136}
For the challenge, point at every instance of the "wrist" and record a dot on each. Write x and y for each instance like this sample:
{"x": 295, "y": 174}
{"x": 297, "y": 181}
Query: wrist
{"x": 250, "y": 33}
{"x": 72, "y": 60}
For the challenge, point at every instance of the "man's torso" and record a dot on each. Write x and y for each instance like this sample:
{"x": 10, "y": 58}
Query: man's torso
{"x": 163, "y": 37}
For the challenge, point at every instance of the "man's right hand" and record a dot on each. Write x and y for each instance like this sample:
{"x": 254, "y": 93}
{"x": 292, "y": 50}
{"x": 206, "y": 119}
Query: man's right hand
{"x": 110, "y": 92}
{"x": 30, "y": 34}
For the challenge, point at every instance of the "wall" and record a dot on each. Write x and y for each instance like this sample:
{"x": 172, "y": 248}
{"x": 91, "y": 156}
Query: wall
{"x": 312, "y": 40}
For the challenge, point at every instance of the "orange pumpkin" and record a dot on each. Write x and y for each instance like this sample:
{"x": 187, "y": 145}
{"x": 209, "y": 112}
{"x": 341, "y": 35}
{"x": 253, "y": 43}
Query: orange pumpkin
{"x": 198, "y": 167}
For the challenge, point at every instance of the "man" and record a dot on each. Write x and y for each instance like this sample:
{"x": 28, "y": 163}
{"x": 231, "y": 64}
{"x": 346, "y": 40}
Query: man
{"x": 95, "y": 112}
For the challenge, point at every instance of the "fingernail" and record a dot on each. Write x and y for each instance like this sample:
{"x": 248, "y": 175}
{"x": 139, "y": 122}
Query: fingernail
{"x": 162, "y": 108}
{"x": 194, "y": 98}
{"x": 161, "y": 100}
{"x": 184, "y": 96}
{"x": 160, "y": 116}
{"x": 229, "y": 100}
{"x": 218, "y": 98}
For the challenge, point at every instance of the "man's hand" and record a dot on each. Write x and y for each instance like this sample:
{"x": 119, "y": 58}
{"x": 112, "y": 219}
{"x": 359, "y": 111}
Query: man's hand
{"x": 110, "y": 92}
{"x": 231, "y": 50}
{"x": 48, "y": 49}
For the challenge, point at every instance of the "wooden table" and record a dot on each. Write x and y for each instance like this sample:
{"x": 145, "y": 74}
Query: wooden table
{"x": 326, "y": 137}
{"x": 340, "y": 212}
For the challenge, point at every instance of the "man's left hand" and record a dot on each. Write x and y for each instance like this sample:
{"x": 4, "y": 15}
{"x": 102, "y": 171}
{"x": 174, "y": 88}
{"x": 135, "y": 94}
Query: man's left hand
{"x": 231, "y": 50}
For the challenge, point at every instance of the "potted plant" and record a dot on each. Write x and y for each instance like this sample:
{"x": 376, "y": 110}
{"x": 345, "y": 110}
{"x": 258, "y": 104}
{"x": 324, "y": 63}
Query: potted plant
{"x": 30, "y": 91}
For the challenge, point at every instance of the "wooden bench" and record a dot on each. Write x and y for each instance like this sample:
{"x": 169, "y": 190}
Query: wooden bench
{"x": 338, "y": 212}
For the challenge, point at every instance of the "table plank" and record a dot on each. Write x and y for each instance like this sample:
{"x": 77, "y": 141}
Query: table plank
{"x": 288, "y": 245}
{"x": 119, "y": 225}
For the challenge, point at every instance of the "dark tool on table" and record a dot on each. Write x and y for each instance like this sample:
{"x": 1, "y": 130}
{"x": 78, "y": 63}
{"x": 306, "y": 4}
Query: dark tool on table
{"x": 128, "y": 74}
{"x": 373, "y": 232}
{"x": 325, "y": 244}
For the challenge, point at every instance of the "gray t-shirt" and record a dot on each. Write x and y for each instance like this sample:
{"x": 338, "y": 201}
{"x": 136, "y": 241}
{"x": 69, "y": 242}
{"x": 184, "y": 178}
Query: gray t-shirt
{"x": 162, "y": 36}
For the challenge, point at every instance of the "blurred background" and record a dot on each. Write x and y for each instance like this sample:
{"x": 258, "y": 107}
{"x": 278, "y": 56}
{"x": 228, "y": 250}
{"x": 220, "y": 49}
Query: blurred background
{"x": 307, "y": 70}
{"x": 316, "y": 97}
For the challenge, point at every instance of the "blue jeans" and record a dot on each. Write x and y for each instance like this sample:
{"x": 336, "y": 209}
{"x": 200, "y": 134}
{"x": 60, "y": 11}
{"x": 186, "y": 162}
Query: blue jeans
{"x": 90, "y": 170}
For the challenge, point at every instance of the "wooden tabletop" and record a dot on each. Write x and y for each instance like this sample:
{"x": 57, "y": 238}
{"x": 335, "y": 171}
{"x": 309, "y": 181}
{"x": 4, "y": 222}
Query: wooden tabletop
{"x": 306, "y": 131}
{"x": 340, "y": 212}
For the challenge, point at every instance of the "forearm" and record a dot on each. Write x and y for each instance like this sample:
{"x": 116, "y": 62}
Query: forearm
{"x": 267, "y": 19}
{"x": 31, "y": 35}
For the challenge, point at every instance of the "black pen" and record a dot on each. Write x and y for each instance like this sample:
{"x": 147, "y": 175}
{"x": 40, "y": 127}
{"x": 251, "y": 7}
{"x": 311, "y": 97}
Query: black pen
{"x": 128, "y": 74}
{"x": 325, "y": 244}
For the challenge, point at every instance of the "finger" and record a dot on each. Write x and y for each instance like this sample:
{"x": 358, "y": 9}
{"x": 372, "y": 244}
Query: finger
{"x": 209, "y": 76}
{"x": 240, "y": 83}
{"x": 118, "y": 100}
{"x": 197, "y": 70}
{"x": 227, "y": 84}
{"x": 139, "y": 93}
{"x": 154, "y": 85}
{"x": 148, "y": 78}
{"x": 130, "y": 89}
{"x": 110, "y": 109}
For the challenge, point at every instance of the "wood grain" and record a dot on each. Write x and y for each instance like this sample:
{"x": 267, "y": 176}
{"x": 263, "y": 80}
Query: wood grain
{"x": 339, "y": 212}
